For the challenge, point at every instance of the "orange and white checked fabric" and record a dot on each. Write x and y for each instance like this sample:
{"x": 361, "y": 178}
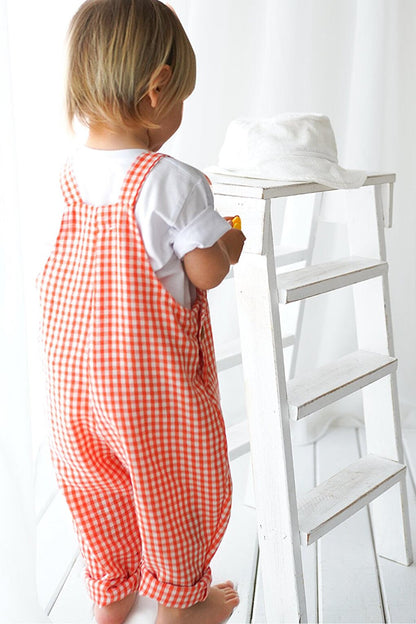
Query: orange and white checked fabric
{"x": 137, "y": 435}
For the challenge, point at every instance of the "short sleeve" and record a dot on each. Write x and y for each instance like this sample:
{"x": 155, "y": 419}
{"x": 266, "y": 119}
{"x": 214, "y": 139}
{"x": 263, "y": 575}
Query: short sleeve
{"x": 175, "y": 212}
{"x": 197, "y": 224}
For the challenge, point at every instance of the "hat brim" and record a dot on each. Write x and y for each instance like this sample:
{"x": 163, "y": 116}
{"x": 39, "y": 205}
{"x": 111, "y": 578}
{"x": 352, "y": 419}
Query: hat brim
{"x": 298, "y": 168}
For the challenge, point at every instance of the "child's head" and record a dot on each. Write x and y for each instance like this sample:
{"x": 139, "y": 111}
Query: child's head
{"x": 116, "y": 50}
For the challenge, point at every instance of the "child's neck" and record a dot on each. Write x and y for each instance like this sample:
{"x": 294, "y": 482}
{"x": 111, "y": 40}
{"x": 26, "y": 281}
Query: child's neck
{"x": 102, "y": 137}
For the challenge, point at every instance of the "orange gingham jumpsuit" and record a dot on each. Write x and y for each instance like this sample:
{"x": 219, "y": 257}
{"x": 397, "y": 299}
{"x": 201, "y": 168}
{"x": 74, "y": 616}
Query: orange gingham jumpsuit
{"x": 137, "y": 434}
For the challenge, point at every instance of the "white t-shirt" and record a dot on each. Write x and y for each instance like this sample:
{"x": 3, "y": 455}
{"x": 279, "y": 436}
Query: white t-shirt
{"x": 174, "y": 212}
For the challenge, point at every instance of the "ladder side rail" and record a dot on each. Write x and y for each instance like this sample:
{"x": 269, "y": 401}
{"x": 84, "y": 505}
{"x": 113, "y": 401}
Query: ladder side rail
{"x": 267, "y": 410}
{"x": 388, "y": 211}
{"x": 316, "y": 210}
{"x": 380, "y": 400}
{"x": 384, "y": 196}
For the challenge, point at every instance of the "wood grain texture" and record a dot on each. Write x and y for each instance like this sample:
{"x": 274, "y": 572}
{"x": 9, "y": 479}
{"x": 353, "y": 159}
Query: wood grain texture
{"x": 398, "y": 582}
{"x": 321, "y": 278}
{"x": 314, "y": 390}
{"x": 239, "y": 186}
{"x": 252, "y": 213}
{"x": 339, "y": 497}
{"x": 266, "y": 401}
{"x": 380, "y": 399}
{"x": 348, "y": 583}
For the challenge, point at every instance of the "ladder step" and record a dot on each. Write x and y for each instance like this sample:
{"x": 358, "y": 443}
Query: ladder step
{"x": 289, "y": 255}
{"x": 322, "y": 278}
{"x": 238, "y": 440}
{"x": 229, "y": 355}
{"x": 288, "y": 341}
{"x": 327, "y": 384}
{"x": 333, "y": 501}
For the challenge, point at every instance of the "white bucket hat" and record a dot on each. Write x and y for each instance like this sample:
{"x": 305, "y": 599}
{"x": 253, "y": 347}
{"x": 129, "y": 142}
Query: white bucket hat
{"x": 294, "y": 147}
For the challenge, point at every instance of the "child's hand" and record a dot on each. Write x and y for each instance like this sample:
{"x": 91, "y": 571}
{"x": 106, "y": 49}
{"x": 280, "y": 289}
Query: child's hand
{"x": 206, "y": 268}
{"x": 232, "y": 242}
{"x": 235, "y": 221}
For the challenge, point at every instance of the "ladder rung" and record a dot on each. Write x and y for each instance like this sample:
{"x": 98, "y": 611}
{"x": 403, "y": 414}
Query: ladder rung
{"x": 289, "y": 255}
{"x": 238, "y": 440}
{"x": 230, "y": 355}
{"x": 333, "y": 501}
{"x": 224, "y": 362}
{"x": 322, "y": 278}
{"x": 288, "y": 341}
{"x": 327, "y": 384}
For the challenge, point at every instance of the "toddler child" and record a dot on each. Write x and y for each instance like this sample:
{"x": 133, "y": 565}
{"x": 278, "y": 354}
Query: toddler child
{"x": 137, "y": 434}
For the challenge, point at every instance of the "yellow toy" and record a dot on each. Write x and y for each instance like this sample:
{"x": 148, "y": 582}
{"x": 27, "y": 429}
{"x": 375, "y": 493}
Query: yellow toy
{"x": 236, "y": 222}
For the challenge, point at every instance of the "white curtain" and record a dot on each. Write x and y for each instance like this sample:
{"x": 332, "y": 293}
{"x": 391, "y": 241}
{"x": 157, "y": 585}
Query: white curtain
{"x": 17, "y": 528}
{"x": 353, "y": 60}
{"x": 32, "y": 143}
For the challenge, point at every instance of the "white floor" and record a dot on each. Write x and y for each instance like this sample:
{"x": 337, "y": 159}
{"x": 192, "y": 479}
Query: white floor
{"x": 345, "y": 580}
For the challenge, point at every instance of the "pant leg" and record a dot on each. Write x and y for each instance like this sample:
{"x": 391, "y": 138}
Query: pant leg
{"x": 183, "y": 501}
{"x": 98, "y": 490}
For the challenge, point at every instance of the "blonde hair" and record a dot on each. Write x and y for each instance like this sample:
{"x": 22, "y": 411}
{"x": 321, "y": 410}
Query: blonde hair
{"x": 116, "y": 48}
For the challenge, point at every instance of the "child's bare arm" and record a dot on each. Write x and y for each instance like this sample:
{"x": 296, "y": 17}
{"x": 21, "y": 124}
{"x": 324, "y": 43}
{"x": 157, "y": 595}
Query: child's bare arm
{"x": 206, "y": 268}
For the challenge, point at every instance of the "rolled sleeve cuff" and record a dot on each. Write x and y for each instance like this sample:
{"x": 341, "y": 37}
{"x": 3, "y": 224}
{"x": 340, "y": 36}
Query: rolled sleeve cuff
{"x": 202, "y": 232}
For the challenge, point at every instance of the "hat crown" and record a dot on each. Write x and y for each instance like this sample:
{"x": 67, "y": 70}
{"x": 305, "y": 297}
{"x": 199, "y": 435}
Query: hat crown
{"x": 289, "y": 146}
{"x": 251, "y": 141}
{"x": 310, "y": 134}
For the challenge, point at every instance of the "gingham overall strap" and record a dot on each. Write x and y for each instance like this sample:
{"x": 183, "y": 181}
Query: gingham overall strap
{"x": 136, "y": 176}
{"x": 130, "y": 189}
{"x": 69, "y": 186}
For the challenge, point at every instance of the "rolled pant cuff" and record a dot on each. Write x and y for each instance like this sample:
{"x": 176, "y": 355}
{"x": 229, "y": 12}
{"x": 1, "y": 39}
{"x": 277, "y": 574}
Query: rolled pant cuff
{"x": 104, "y": 592}
{"x": 178, "y": 596}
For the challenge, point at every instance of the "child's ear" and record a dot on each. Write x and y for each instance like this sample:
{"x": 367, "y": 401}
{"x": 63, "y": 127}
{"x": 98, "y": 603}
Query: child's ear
{"x": 158, "y": 81}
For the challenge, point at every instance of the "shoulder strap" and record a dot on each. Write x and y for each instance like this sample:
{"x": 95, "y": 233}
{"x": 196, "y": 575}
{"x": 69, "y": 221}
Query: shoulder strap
{"x": 69, "y": 186}
{"x": 136, "y": 176}
{"x": 131, "y": 186}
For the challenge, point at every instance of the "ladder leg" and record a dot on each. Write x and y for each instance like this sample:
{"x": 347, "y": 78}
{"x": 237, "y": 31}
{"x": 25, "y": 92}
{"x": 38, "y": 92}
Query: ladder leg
{"x": 274, "y": 484}
{"x": 317, "y": 203}
{"x": 380, "y": 400}
{"x": 389, "y": 512}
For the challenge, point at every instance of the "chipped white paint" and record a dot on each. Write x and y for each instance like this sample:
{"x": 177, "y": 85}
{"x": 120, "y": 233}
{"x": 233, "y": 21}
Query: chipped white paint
{"x": 322, "y": 278}
{"x": 345, "y": 493}
{"x": 267, "y": 189}
{"x": 380, "y": 400}
{"x": 269, "y": 396}
{"x": 314, "y": 390}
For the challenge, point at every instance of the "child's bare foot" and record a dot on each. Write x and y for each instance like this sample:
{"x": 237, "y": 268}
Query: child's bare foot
{"x": 116, "y": 612}
{"x": 217, "y": 608}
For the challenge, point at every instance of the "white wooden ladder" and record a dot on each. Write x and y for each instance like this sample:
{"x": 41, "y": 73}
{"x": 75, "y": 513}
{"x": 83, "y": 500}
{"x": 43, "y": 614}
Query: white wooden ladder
{"x": 285, "y": 522}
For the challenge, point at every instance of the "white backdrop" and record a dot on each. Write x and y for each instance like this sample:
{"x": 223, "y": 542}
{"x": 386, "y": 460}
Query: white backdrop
{"x": 353, "y": 60}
